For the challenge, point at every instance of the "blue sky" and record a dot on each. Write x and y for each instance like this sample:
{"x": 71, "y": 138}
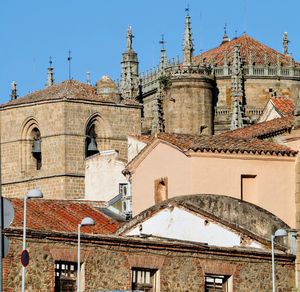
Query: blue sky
{"x": 95, "y": 30}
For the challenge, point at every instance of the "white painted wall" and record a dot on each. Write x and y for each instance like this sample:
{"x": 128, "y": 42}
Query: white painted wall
{"x": 134, "y": 147}
{"x": 269, "y": 113}
{"x": 103, "y": 174}
{"x": 180, "y": 224}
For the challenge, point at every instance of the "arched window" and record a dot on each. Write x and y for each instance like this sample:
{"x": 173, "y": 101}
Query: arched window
{"x": 36, "y": 147}
{"x": 90, "y": 141}
{"x": 31, "y": 146}
{"x": 97, "y": 135}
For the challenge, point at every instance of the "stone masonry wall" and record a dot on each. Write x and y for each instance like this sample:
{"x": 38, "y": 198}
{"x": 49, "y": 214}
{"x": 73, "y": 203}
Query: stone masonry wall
{"x": 63, "y": 132}
{"x": 188, "y": 105}
{"x": 108, "y": 266}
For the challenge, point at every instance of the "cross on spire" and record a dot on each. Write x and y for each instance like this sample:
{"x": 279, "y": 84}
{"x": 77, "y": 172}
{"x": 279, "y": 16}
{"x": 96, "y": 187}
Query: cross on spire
{"x": 69, "y": 60}
{"x": 50, "y": 62}
{"x": 187, "y": 10}
{"x": 162, "y": 41}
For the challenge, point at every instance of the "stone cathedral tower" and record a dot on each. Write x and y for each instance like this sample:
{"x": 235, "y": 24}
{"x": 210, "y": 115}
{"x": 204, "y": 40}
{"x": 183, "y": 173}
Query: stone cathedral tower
{"x": 130, "y": 70}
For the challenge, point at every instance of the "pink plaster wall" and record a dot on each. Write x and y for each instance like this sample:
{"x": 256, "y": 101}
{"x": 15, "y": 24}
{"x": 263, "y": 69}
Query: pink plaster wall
{"x": 217, "y": 174}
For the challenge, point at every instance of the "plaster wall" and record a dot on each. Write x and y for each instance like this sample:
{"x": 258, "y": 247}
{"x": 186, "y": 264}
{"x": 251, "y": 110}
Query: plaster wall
{"x": 172, "y": 223}
{"x": 218, "y": 174}
{"x": 103, "y": 174}
{"x": 162, "y": 161}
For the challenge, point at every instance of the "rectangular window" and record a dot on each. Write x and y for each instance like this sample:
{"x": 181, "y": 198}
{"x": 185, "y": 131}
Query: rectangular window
{"x": 123, "y": 190}
{"x": 145, "y": 280}
{"x": 65, "y": 276}
{"x": 215, "y": 283}
{"x": 248, "y": 187}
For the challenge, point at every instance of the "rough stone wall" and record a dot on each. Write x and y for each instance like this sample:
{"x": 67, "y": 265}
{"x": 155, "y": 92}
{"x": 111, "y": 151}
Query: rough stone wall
{"x": 63, "y": 132}
{"x": 108, "y": 266}
{"x": 257, "y": 90}
{"x": 188, "y": 106}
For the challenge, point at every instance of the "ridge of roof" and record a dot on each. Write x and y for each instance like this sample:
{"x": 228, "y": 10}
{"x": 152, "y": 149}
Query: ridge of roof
{"x": 246, "y": 44}
{"x": 264, "y": 129}
{"x": 67, "y": 90}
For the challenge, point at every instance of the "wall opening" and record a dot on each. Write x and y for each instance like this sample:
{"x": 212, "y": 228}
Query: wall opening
{"x": 160, "y": 190}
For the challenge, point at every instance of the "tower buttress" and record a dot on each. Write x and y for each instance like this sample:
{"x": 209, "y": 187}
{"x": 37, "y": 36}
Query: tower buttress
{"x": 237, "y": 90}
{"x": 188, "y": 47}
{"x": 130, "y": 73}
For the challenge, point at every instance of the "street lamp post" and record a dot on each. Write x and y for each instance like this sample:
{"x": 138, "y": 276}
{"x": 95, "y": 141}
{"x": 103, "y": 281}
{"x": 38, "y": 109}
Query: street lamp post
{"x": 278, "y": 233}
{"x": 32, "y": 194}
{"x": 85, "y": 221}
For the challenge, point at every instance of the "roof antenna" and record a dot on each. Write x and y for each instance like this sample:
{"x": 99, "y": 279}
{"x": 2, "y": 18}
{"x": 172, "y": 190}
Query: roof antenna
{"x": 69, "y": 60}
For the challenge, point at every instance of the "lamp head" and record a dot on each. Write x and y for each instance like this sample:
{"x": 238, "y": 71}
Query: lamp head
{"x": 87, "y": 221}
{"x": 35, "y": 193}
{"x": 280, "y": 232}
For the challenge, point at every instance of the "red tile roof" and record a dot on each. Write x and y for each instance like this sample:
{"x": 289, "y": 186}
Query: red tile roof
{"x": 68, "y": 90}
{"x": 284, "y": 105}
{"x": 215, "y": 144}
{"x": 62, "y": 216}
{"x": 247, "y": 44}
{"x": 263, "y": 130}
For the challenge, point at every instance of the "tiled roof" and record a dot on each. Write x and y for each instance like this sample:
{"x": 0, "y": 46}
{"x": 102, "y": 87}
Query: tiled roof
{"x": 263, "y": 130}
{"x": 247, "y": 44}
{"x": 225, "y": 144}
{"x": 284, "y": 105}
{"x": 68, "y": 90}
{"x": 214, "y": 144}
{"x": 143, "y": 138}
{"x": 62, "y": 216}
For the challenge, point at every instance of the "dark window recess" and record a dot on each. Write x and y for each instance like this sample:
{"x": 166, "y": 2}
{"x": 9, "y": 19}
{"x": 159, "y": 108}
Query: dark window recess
{"x": 37, "y": 148}
{"x": 215, "y": 283}
{"x": 65, "y": 276}
{"x": 144, "y": 280}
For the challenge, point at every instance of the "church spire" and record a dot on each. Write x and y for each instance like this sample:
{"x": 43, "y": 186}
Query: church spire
{"x": 188, "y": 48}
{"x": 130, "y": 71}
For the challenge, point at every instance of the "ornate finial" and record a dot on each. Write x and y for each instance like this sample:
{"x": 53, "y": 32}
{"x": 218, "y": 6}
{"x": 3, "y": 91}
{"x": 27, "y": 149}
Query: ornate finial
{"x": 69, "y": 60}
{"x": 163, "y": 57}
{"x": 188, "y": 47}
{"x": 285, "y": 42}
{"x": 14, "y": 94}
{"x": 235, "y": 34}
{"x": 225, "y": 36}
{"x": 130, "y": 36}
{"x": 50, "y": 75}
{"x": 88, "y": 78}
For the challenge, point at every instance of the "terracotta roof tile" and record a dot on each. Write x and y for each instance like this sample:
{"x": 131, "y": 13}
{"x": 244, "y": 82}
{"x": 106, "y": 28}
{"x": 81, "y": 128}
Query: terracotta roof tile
{"x": 68, "y": 90}
{"x": 263, "y": 130}
{"x": 284, "y": 105}
{"x": 62, "y": 216}
{"x": 247, "y": 44}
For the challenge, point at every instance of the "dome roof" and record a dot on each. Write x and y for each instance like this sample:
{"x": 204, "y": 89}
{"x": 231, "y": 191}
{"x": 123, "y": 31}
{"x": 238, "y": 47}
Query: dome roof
{"x": 248, "y": 46}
